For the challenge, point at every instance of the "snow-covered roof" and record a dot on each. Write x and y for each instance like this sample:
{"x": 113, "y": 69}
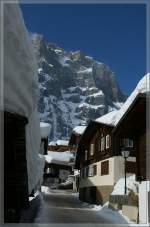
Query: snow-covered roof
{"x": 113, "y": 118}
{"x": 45, "y": 129}
{"x": 59, "y": 157}
{"x": 142, "y": 87}
{"x": 52, "y": 143}
{"x": 62, "y": 142}
{"x": 108, "y": 118}
{"x": 79, "y": 130}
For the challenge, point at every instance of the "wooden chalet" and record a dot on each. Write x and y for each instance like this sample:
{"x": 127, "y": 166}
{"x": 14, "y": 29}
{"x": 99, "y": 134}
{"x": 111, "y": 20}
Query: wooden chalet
{"x": 99, "y": 162}
{"x": 130, "y": 132}
{"x": 56, "y": 173}
{"x": 75, "y": 138}
{"x": 58, "y": 166}
{"x": 94, "y": 151}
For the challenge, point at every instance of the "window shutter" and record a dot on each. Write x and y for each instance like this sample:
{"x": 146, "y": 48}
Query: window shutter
{"x": 105, "y": 168}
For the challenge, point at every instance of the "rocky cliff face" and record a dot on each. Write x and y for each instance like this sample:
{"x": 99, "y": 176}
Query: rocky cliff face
{"x": 73, "y": 88}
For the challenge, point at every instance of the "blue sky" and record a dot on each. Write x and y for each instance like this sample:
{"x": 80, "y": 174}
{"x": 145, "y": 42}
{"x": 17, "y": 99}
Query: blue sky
{"x": 113, "y": 34}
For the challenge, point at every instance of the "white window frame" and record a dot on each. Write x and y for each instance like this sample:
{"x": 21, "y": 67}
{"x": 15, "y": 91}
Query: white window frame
{"x": 107, "y": 141}
{"x": 102, "y": 148}
{"x": 91, "y": 170}
{"x": 92, "y": 147}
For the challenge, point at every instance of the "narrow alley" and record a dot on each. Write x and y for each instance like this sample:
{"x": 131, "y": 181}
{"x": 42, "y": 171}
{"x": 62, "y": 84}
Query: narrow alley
{"x": 63, "y": 206}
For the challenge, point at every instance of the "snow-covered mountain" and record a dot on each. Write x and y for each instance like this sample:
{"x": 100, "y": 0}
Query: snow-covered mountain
{"x": 73, "y": 88}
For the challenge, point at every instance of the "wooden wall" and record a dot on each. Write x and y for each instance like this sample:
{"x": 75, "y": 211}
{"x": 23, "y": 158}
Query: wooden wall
{"x": 15, "y": 167}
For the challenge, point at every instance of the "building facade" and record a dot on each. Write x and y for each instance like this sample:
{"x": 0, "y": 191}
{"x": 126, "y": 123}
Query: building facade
{"x": 100, "y": 163}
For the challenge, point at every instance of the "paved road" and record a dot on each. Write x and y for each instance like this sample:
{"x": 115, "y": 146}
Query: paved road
{"x": 64, "y": 207}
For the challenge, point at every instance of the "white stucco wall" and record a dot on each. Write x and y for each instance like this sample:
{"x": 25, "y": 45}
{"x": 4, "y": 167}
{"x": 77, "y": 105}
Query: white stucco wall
{"x": 144, "y": 212}
{"x": 21, "y": 86}
{"x": 116, "y": 171}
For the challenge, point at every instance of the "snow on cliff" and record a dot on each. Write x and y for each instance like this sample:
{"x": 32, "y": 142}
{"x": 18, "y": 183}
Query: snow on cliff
{"x": 74, "y": 88}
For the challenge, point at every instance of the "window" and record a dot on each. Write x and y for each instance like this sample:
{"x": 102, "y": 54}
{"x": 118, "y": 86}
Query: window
{"x": 48, "y": 170}
{"x": 92, "y": 149}
{"x": 92, "y": 171}
{"x": 86, "y": 155}
{"x": 105, "y": 168}
{"x": 127, "y": 142}
{"x": 107, "y": 141}
{"x": 102, "y": 143}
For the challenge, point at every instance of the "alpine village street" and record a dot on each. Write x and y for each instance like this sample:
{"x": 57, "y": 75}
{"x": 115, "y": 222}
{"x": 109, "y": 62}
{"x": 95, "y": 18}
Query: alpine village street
{"x": 61, "y": 164}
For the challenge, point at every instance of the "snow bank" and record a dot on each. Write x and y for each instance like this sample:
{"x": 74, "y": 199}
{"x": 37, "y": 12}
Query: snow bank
{"x": 45, "y": 190}
{"x": 59, "y": 157}
{"x": 132, "y": 185}
{"x": 20, "y": 68}
{"x": 35, "y": 163}
{"x": 79, "y": 130}
{"x": 45, "y": 129}
{"x": 21, "y": 86}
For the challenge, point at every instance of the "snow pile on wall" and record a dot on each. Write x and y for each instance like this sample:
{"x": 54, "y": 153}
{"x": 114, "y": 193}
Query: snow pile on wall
{"x": 114, "y": 117}
{"x": 62, "y": 142}
{"x": 59, "y": 157}
{"x": 59, "y": 143}
{"x": 79, "y": 130}
{"x": 21, "y": 86}
{"x": 20, "y": 68}
{"x": 132, "y": 185}
{"x": 45, "y": 129}
{"x": 52, "y": 143}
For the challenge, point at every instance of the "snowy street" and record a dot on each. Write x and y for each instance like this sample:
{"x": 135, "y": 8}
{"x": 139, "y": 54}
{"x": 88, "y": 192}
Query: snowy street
{"x": 60, "y": 206}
